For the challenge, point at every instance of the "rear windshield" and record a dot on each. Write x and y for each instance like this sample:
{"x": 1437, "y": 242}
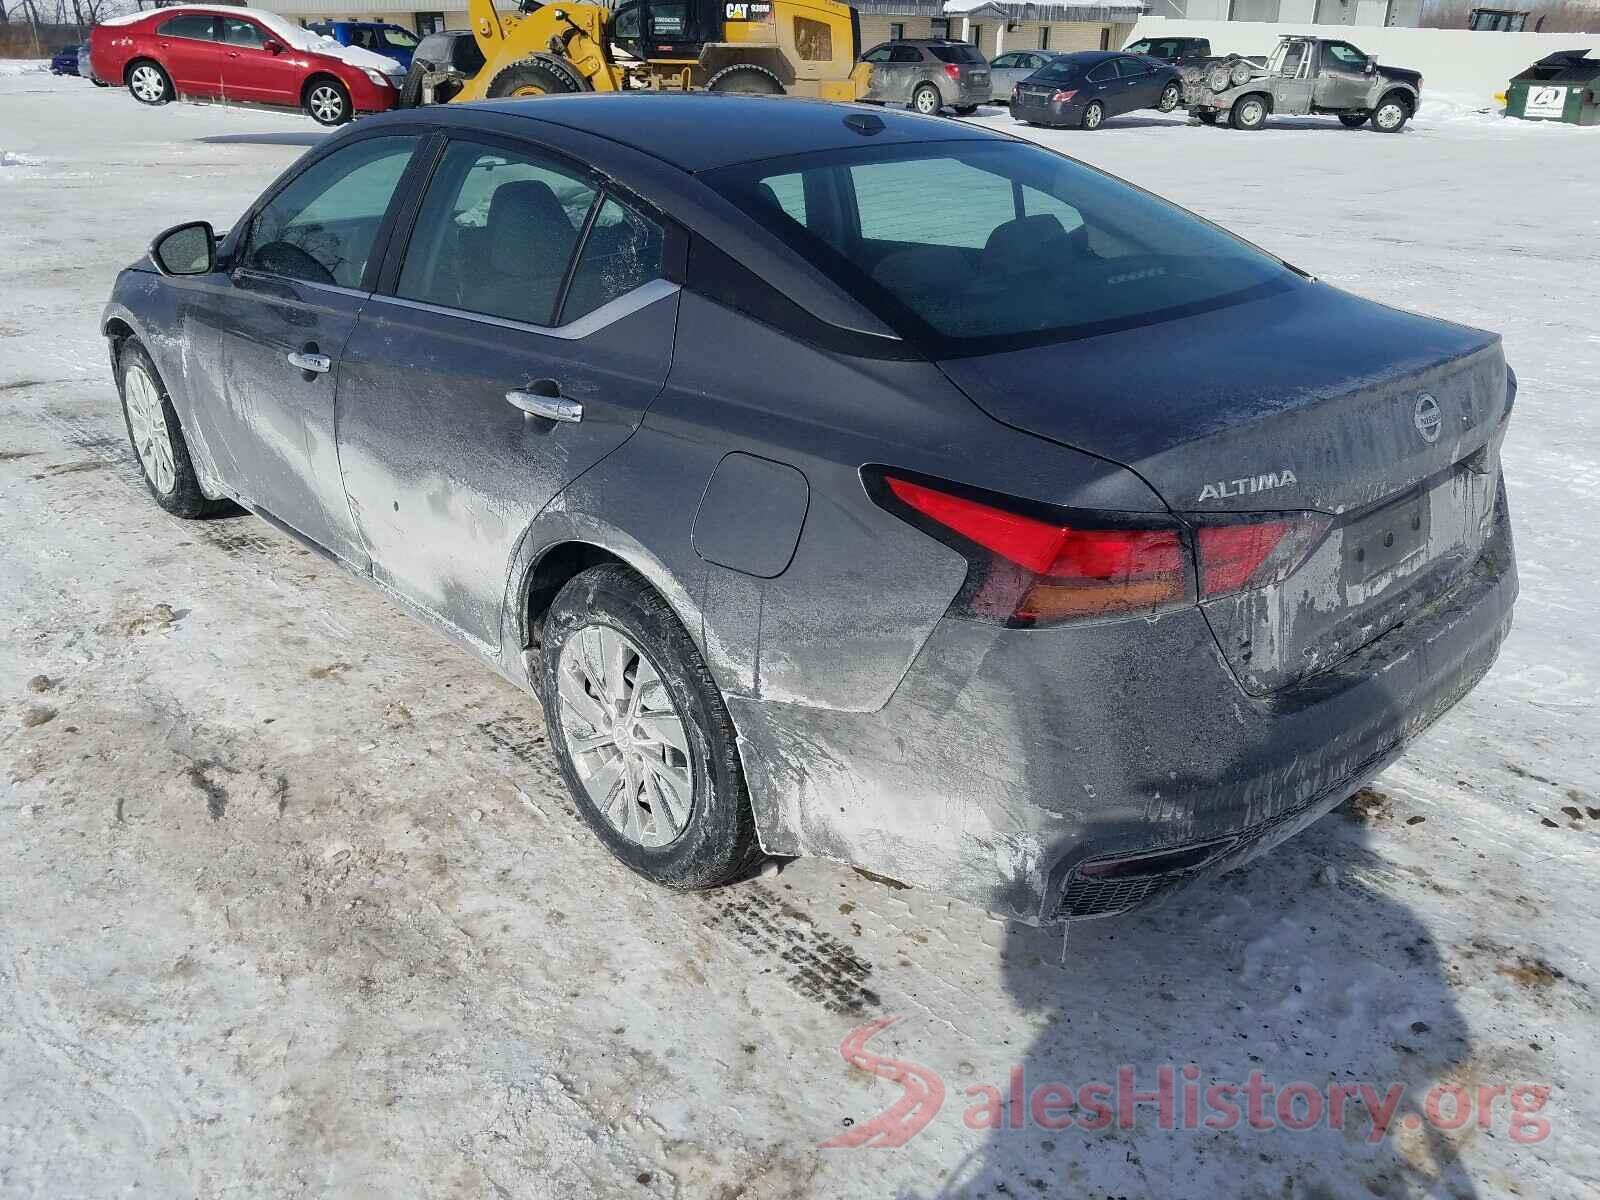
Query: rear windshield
{"x": 956, "y": 54}
{"x": 1056, "y": 72}
{"x": 974, "y": 247}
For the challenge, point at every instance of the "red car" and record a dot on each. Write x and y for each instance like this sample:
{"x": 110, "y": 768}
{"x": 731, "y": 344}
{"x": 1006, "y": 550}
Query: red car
{"x": 242, "y": 55}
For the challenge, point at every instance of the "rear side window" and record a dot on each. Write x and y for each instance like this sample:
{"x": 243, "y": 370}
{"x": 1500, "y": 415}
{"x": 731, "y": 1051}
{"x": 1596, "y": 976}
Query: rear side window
{"x": 622, "y": 252}
{"x": 496, "y": 233}
{"x": 199, "y": 26}
{"x": 974, "y": 247}
{"x": 958, "y": 54}
{"x": 322, "y": 226}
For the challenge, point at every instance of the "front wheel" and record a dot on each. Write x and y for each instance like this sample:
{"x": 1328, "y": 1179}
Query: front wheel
{"x": 158, "y": 438}
{"x": 966, "y": 110}
{"x": 149, "y": 84}
{"x": 327, "y": 102}
{"x": 645, "y": 742}
{"x": 1352, "y": 120}
{"x": 1094, "y": 115}
{"x": 1207, "y": 116}
{"x": 1249, "y": 113}
{"x": 745, "y": 79}
{"x": 926, "y": 100}
{"x": 1170, "y": 95}
{"x": 1390, "y": 116}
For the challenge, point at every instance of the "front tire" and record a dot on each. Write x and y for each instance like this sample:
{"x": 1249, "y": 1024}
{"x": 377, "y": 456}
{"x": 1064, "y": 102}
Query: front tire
{"x": 327, "y": 102}
{"x": 148, "y": 83}
{"x": 157, "y": 438}
{"x": 1170, "y": 95}
{"x": 926, "y": 100}
{"x": 645, "y": 743}
{"x": 530, "y": 78}
{"x": 1094, "y": 116}
{"x": 1248, "y": 113}
{"x": 1207, "y": 116}
{"x": 1391, "y": 115}
{"x": 966, "y": 110}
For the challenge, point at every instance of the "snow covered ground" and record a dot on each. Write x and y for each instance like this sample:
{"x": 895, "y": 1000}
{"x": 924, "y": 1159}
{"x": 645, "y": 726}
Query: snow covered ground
{"x": 294, "y": 903}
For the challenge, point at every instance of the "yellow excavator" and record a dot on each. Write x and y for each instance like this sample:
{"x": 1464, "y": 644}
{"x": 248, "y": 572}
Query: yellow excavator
{"x": 766, "y": 47}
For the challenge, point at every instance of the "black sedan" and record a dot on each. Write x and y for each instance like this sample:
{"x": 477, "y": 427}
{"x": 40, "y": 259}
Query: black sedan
{"x": 1084, "y": 89}
{"x": 849, "y": 483}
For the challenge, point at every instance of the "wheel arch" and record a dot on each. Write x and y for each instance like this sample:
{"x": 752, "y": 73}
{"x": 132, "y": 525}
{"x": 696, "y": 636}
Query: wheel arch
{"x": 315, "y": 77}
{"x": 1402, "y": 94}
{"x": 127, "y": 67}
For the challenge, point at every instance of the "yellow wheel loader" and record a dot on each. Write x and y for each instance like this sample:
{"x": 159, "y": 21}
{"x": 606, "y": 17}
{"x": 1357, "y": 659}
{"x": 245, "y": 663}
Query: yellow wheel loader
{"x": 769, "y": 47}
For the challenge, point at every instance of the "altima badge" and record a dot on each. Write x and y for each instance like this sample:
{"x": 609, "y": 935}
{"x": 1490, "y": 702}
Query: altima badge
{"x": 1224, "y": 488}
{"x": 1427, "y": 418}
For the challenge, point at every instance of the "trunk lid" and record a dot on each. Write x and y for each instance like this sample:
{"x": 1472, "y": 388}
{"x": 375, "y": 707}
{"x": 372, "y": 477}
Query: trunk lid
{"x": 1312, "y": 400}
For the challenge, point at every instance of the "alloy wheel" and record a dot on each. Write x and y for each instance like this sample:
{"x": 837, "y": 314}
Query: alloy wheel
{"x": 1093, "y": 115}
{"x": 927, "y": 101}
{"x": 326, "y": 104}
{"x": 147, "y": 84}
{"x": 625, "y": 737}
{"x": 147, "y": 421}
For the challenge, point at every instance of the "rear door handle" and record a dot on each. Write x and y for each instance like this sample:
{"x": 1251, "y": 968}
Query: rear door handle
{"x": 319, "y": 363}
{"x": 550, "y": 407}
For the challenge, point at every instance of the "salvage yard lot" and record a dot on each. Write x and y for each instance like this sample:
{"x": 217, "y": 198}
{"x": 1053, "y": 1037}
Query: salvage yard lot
{"x": 295, "y": 902}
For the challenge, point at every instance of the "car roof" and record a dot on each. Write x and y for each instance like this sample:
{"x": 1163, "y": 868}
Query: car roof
{"x": 700, "y": 131}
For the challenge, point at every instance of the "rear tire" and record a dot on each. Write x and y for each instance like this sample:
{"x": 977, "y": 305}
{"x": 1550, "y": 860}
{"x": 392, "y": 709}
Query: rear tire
{"x": 157, "y": 438}
{"x": 745, "y": 80}
{"x": 327, "y": 101}
{"x": 1353, "y": 120}
{"x": 1249, "y": 112}
{"x": 1094, "y": 116}
{"x": 530, "y": 77}
{"x": 149, "y": 83}
{"x": 635, "y": 717}
{"x": 926, "y": 100}
{"x": 1207, "y": 116}
{"x": 966, "y": 110}
{"x": 1170, "y": 95}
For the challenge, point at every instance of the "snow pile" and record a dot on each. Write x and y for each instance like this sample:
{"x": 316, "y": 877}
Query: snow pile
{"x": 23, "y": 66}
{"x": 10, "y": 158}
{"x": 287, "y": 32}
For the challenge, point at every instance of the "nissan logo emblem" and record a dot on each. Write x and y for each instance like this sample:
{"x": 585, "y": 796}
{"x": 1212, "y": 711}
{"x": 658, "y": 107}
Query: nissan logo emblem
{"x": 1427, "y": 418}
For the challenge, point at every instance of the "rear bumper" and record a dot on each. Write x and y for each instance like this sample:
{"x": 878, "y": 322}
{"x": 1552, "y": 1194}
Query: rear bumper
{"x": 1047, "y": 113}
{"x": 1012, "y": 765}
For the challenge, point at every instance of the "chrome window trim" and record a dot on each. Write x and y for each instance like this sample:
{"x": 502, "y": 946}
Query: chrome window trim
{"x": 608, "y": 313}
{"x": 336, "y": 288}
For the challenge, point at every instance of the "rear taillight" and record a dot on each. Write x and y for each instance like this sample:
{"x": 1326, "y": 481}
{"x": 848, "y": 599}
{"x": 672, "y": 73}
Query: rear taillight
{"x": 1032, "y": 565}
{"x": 1063, "y": 97}
{"x": 953, "y": 71}
{"x": 1236, "y": 556}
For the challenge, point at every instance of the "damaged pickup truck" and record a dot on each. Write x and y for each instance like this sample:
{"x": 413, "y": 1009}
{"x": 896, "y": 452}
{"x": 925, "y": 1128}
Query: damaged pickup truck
{"x": 1303, "y": 75}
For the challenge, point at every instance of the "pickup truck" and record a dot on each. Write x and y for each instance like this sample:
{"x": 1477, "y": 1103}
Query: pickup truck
{"x": 1303, "y": 75}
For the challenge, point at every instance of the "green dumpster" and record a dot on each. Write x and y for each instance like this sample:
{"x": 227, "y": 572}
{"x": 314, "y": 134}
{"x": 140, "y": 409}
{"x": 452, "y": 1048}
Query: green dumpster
{"x": 1564, "y": 86}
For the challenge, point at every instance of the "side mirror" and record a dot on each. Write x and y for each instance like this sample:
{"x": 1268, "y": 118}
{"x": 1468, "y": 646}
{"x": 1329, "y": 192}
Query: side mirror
{"x": 189, "y": 249}
{"x": 1372, "y": 64}
{"x": 272, "y": 47}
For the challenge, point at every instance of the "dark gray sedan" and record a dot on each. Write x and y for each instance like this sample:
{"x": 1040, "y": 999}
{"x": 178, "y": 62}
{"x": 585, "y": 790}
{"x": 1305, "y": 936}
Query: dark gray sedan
{"x": 848, "y": 484}
{"x": 1084, "y": 89}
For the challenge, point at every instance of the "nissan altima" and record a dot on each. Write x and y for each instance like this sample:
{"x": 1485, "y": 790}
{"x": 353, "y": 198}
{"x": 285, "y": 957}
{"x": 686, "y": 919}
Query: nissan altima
{"x": 849, "y": 483}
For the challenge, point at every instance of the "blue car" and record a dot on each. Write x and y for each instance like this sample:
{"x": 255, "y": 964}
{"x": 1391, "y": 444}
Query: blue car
{"x": 65, "y": 61}
{"x": 392, "y": 41}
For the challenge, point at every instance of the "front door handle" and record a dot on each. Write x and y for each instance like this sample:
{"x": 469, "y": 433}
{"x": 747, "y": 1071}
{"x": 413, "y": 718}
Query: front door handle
{"x": 319, "y": 363}
{"x": 551, "y": 408}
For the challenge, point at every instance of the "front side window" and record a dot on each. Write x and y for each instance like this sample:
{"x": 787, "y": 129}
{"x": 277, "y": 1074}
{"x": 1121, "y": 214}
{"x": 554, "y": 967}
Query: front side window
{"x": 878, "y": 54}
{"x": 1104, "y": 73}
{"x": 199, "y": 26}
{"x": 399, "y": 39}
{"x": 1131, "y": 68}
{"x": 1343, "y": 54}
{"x": 905, "y": 54}
{"x": 322, "y": 226}
{"x": 975, "y": 247}
{"x": 242, "y": 33}
{"x": 496, "y": 234}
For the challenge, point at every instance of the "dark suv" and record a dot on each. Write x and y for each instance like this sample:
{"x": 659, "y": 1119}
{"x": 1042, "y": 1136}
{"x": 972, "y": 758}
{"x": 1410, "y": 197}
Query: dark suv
{"x": 927, "y": 74}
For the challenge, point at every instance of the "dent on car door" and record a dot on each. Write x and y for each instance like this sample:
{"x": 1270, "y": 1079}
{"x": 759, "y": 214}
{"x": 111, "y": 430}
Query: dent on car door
{"x": 485, "y": 379}
{"x": 299, "y": 277}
